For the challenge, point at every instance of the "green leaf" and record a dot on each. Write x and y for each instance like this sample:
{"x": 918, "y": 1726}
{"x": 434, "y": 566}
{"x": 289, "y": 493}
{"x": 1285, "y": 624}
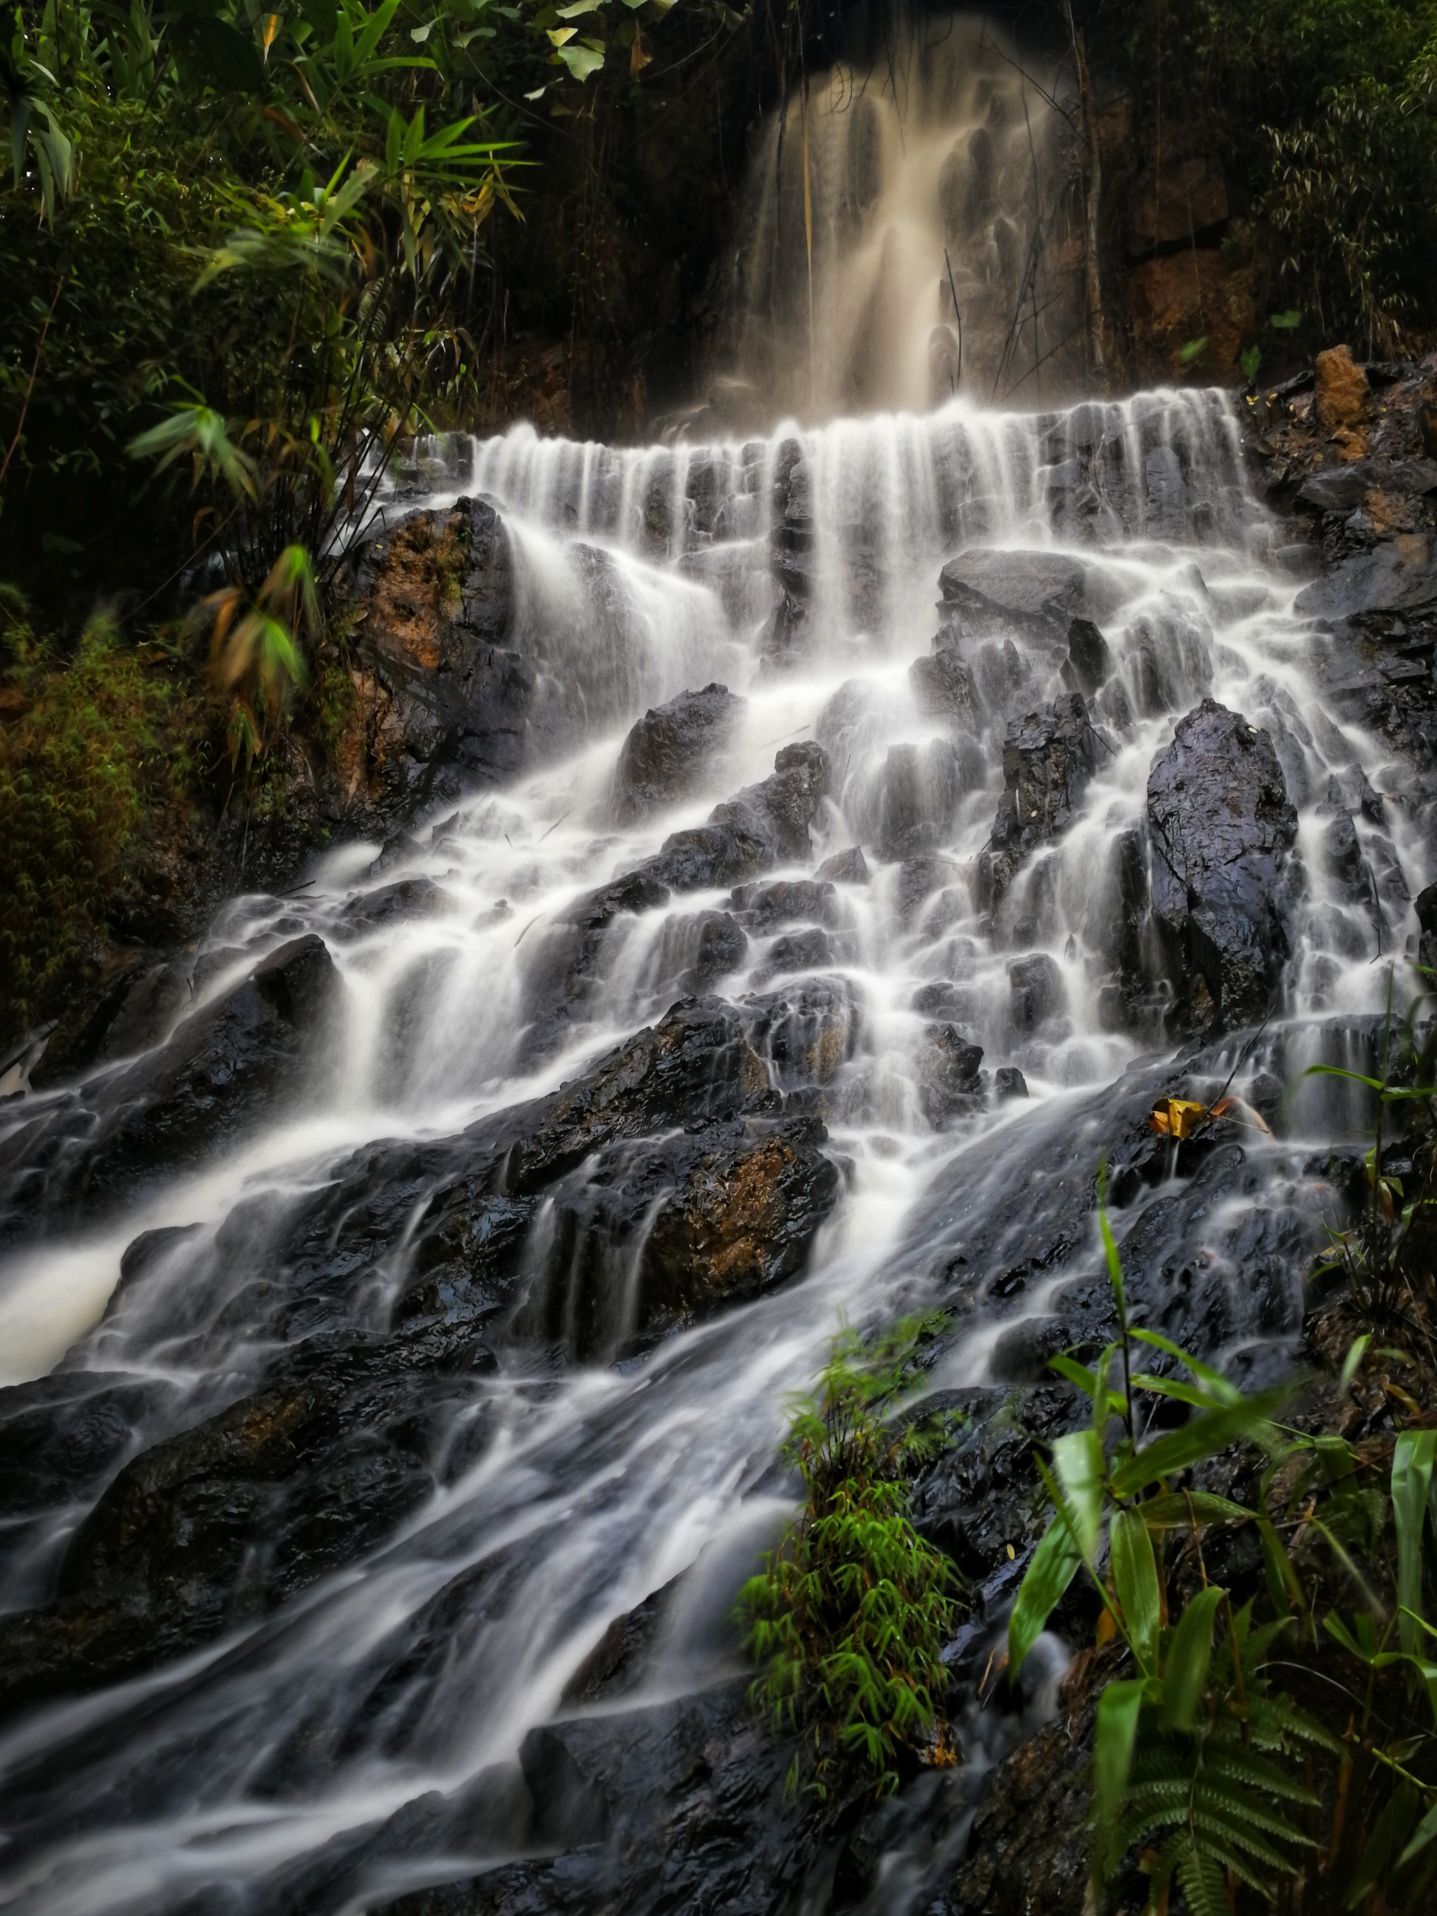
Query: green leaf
{"x": 1202, "y": 1436}
{"x": 1188, "y": 1660}
{"x": 1181, "y": 1509}
{"x": 1081, "y": 1467}
{"x": 581, "y": 61}
{"x": 1051, "y": 1569}
{"x": 1114, "y": 1739}
{"x": 1412, "y": 1461}
{"x": 1135, "y": 1578}
{"x": 1192, "y": 350}
{"x": 576, "y": 7}
{"x": 1425, "y": 1833}
{"x": 1286, "y": 322}
{"x": 1352, "y": 1363}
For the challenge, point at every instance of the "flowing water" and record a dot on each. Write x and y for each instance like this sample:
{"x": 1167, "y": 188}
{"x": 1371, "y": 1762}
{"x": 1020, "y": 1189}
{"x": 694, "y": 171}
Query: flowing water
{"x": 577, "y": 1489}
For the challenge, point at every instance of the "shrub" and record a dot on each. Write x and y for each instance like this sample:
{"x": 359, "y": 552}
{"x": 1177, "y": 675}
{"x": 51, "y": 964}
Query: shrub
{"x": 850, "y": 1613}
{"x": 1200, "y": 1757}
{"x": 81, "y": 765}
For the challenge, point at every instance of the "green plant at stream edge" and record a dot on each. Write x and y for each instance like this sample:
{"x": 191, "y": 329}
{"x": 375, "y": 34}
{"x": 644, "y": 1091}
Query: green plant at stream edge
{"x": 849, "y": 1615}
{"x": 1205, "y": 1762}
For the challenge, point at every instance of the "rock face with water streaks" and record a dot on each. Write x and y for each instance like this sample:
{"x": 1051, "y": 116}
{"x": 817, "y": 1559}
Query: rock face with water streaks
{"x": 1221, "y": 828}
{"x": 670, "y": 749}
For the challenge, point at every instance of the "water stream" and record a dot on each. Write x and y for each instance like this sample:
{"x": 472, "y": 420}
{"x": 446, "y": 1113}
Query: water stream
{"x": 577, "y": 1487}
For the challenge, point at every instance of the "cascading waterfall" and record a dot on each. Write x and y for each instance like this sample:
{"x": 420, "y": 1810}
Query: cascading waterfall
{"x": 588, "y": 1467}
{"x": 911, "y": 235}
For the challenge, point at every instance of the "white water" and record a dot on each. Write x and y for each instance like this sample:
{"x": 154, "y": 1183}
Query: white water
{"x": 640, "y": 574}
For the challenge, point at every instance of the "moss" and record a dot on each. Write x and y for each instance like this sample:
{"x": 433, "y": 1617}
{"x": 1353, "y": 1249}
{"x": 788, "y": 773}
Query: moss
{"x": 95, "y": 748}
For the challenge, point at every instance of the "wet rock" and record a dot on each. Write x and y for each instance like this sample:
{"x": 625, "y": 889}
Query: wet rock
{"x": 948, "y": 1067}
{"x": 804, "y": 1031}
{"x": 1344, "y": 488}
{"x": 445, "y": 701}
{"x": 1173, "y": 202}
{"x": 720, "y": 946}
{"x": 942, "y": 1000}
{"x": 1425, "y": 905}
{"x": 1342, "y": 391}
{"x": 809, "y": 950}
{"x": 209, "y": 1085}
{"x": 743, "y": 1220}
{"x": 1009, "y": 1083}
{"x": 1222, "y": 829}
{"x": 942, "y": 683}
{"x": 1090, "y": 661}
{"x": 915, "y": 797}
{"x": 1035, "y": 990}
{"x": 219, "y": 1523}
{"x": 391, "y": 904}
{"x": 985, "y": 592}
{"x": 786, "y": 902}
{"x": 653, "y": 1233}
{"x": 764, "y": 825}
{"x": 1049, "y": 758}
{"x": 670, "y": 749}
{"x": 921, "y": 878}
{"x": 845, "y": 868}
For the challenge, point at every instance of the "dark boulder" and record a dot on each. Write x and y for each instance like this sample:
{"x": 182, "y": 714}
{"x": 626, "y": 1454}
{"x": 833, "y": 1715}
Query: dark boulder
{"x": 948, "y": 1080}
{"x": 670, "y": 749}
{"x": 845, "y": 868}
{"x": 1221, "y": 828}
{"x": 433, "y": 612}
{"x": 1090, "y": 659}
{"x": 1049, "y": 758}
{"x": 1009, "y": 1083}
{"x": 805, "y": 1030}
{"x": 808, "y": 950}
{"x": 1035, "y": 990}
{"x": 208, "y": 1087}
{"x": 764, "y": 825}
{"x": 786, "y": 901}
{"x": 912, "y": 803}
{"x": 1034, "y": 593}
{"x": 942, "y": 683}
{"x": 653, "y": 1233}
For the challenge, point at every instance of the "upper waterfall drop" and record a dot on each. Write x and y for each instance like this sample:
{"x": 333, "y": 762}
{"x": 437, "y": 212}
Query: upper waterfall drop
{"x": 909, "y": 232}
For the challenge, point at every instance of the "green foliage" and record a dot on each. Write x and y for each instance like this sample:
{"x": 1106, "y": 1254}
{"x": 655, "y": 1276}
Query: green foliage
{"x": 1200, "y": 1759}
{"x": 89, "y": 751}
{"x": 1326, "y": 113}
{"x": 849, "y": 1616}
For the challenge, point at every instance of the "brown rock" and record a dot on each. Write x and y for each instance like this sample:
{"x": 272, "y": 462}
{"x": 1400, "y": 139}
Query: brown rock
{"x": 1180, "y": 297}
{"x": 1341, "y": 395}
{"x": 1427, "y": 425}
{"x": 1173, "y": 202}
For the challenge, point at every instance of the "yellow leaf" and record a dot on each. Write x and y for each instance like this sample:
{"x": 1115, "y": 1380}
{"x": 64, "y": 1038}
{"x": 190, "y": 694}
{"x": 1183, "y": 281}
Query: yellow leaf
{"x": 269, "y": 27}
{"x": 561, "y": 36}
{"x": 1178, "y": 1117}
{"x": 1107, "y": 1628}
{"x": 639, "y": 57}
{"x": 1012, "y": 1553}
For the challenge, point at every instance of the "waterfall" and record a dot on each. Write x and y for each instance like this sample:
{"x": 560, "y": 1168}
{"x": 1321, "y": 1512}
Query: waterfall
{"x": 608, "y": 1435}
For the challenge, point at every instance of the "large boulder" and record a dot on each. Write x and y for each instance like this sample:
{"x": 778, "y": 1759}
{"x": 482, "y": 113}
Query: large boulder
{"x": 670, "y": 749}
{"x": 1049, "y": 758}
{"x": 208, "y": 1087}
{"x": 1221, "y": 829}
{"x": 762, "y": 826}
{"x": 445, "y": 699}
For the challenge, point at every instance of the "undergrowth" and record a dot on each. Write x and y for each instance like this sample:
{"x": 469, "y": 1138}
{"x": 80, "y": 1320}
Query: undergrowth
{"x": 850, "y": 1613}
{"x": 91, "y": 745}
